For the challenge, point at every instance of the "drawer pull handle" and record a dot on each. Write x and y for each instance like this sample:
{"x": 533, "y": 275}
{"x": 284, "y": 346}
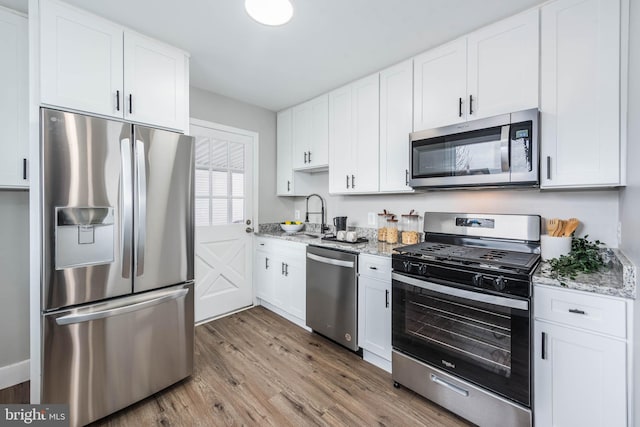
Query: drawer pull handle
{"x": 373, "y": 268}
{"x": 543, "y": 352}
{"x": 576, "y": 311}
{"x": 450, "y": 386}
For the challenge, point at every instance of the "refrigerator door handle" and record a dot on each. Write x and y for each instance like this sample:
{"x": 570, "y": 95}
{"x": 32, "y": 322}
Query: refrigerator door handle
{"x": 126, "y": 215}
{"x": 141, "y": 229}
{"x": 87, "y": 315}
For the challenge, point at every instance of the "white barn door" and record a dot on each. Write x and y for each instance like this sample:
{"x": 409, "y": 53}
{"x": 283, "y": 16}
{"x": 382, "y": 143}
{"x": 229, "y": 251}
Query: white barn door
{"x": 224, "y": 205}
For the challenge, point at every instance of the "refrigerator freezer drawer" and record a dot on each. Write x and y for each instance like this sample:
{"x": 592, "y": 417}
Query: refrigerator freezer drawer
{"x": 104, "y": 357}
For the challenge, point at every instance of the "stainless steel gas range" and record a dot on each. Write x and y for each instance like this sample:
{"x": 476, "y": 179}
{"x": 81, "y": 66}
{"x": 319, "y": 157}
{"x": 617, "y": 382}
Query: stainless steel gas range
{"x": 462, "y": 313}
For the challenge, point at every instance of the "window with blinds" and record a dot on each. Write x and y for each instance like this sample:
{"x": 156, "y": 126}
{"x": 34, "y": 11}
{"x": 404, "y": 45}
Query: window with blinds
{"x": 219, "y": 183}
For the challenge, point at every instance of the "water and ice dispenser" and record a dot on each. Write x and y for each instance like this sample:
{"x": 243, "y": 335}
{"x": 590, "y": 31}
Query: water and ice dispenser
{"x": 84, "y": 236}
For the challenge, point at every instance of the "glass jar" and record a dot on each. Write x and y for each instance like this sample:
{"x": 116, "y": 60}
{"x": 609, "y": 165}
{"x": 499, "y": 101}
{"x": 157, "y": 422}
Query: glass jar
{"x": 392, "y": 230}
{"x": 410, "y": 229}
{"x": 382, "y": 226}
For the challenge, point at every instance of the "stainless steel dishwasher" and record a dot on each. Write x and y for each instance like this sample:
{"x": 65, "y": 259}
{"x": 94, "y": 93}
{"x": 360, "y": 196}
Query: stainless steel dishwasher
{"x": 332, "y": 294}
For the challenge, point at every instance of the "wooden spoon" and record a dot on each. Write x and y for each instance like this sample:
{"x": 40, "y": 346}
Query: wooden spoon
{"x": 572, "y": 225}
{"x": 560, "y": 230}
{"x": 552, "y": 226}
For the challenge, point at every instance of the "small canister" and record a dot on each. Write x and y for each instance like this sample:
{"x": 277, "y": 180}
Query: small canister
{"x": 410, "y": 228}
{"x": 382, "y": 226}
{"x": 392, "y": 229}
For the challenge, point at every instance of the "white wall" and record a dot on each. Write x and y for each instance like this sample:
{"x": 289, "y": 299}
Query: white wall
{"x": 14, "y": 280}
{"x": 630, "y": 196}
{"x": 598, "y": 210}
{"x": 216, "y": 108}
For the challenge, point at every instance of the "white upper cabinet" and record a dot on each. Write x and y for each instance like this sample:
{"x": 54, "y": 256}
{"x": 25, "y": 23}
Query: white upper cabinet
{"x": 284, "y": 172}
{"x": 366, "y": 134}
{"x": 14, "y": 110}
{"x": 396, "y": 122}
{"x": 311, "y": 134}
{"x": 340, "y": 163}
{"x": 580, "y": 94}
{"x": 491, "y": 71}
{"x": 81, "y": 60}
{"x": 154, "y": 82}
{"x": 354, "y": 137}
{"x": 92, "y": 65}
{"x": 502, "y": 66}
{"x": 440, "y": 86}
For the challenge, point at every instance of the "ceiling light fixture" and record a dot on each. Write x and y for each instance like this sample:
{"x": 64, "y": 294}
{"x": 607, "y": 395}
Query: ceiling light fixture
{"x": 269, "y": 12}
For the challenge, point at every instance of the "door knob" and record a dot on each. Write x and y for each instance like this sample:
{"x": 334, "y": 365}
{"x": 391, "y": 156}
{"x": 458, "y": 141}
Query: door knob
{"x": 249, "y": 229}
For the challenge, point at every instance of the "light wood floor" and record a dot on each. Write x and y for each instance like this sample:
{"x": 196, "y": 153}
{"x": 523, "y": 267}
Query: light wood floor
{"x": 256, "y": 369}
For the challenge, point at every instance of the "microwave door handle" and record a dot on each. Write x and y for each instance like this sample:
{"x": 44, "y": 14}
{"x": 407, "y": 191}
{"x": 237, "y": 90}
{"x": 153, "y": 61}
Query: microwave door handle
{"x": 504, "y": 148}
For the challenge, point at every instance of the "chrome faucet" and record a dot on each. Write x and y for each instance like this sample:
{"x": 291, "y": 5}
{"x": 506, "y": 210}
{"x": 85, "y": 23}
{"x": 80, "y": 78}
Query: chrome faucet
{"x": 323, "y": 225}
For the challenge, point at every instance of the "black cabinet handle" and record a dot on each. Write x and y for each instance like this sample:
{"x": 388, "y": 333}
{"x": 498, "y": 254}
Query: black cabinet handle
{"x": 130, "y": 104}
{"x": 309, "y": 156}
{"x": 470, "y": 105}
{"x": 459, "y": 107}
{"x": 305, "y": 157}
{"x": 288, "y": 185}
{"x": 406, "y": 176}
{"x": 548, "y": 167}
{"x": 117, "y": 100}
{"x": 282, "y": 269}
{"x": 576, "y": 311}
{"x": 543, "y": 353}
{"x": 371, "y": 267}
{"x": 386, "y": 298}
{"x": 353, "y": 181}
{"x": 24, "y": 168}
{"x": 266, "y": 263}
{"x": 286, "y": 269}
{"x": 347, "y": 181}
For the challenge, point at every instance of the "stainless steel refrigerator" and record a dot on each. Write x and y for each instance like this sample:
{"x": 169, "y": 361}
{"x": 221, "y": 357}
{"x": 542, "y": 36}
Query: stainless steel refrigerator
{"x": 118, "y": 262}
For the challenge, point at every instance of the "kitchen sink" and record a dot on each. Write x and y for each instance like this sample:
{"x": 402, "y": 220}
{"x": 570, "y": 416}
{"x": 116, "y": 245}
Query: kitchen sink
{"x": 305, "y": 236}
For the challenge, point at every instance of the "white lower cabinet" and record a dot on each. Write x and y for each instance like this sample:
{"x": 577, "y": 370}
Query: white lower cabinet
{"x": 580, "y": 373}
{"x": 374, "y": 309}
{"x": 280, "y": 277}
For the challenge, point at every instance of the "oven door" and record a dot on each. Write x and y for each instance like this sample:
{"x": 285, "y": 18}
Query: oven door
{"x": 479, "y": 337}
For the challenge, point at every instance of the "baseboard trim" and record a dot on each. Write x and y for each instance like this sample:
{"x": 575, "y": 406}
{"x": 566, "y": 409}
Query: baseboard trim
{"x": 17, "y": 373}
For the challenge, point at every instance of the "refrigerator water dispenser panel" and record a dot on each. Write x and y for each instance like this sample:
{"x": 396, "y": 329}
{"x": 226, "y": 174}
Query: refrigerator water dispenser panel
{"x": 84, "y": 236}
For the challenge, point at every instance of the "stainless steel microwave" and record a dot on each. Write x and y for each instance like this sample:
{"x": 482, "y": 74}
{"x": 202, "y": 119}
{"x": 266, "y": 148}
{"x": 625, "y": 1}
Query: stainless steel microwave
{"x": 495, "y": 151}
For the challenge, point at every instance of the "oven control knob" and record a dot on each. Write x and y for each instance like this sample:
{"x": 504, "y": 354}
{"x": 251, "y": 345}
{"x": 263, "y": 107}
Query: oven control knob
{"x": 500, "y": 283}
{"x": 477, "y": 280}
{"x": 423, "y": 268}
{"x": 405, "y": 264}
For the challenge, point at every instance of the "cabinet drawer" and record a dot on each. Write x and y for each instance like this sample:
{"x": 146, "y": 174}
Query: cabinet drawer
{"x": 374, "y": 266}
{"x": 581, "y": 310}
{"x": 287, "y": 249}
{"x": 264, "y": 243}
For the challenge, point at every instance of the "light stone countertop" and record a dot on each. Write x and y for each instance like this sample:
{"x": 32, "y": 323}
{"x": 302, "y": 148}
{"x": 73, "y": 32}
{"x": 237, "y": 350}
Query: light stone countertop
{"x": 617, "y": 279}
{"x": 372, "y": 247}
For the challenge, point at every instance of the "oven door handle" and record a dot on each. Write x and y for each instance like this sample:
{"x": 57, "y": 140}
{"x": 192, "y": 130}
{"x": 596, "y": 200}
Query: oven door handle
{"x": 461, "y": 293}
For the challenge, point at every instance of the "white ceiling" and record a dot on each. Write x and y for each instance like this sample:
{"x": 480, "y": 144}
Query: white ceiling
{"x": 327, "y": 43}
